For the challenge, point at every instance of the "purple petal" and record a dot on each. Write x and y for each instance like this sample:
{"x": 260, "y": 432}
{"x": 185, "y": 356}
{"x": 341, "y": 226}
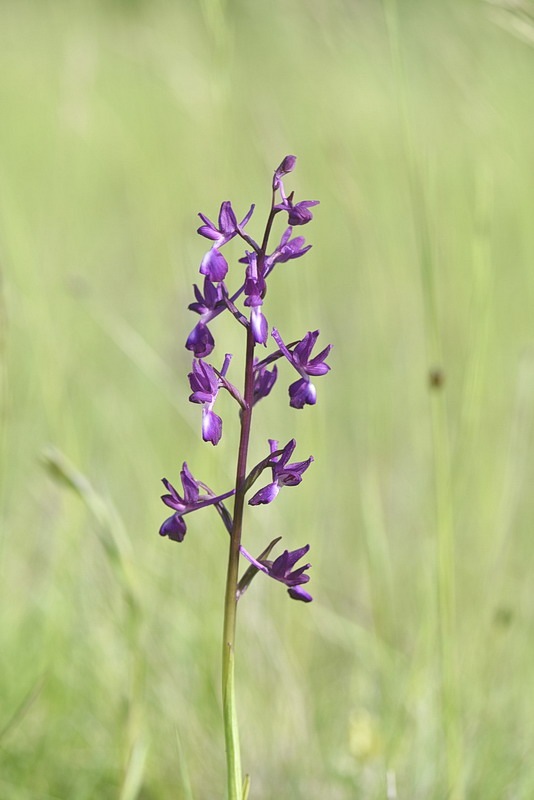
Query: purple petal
{"x": 208, "y": 229}
{"x": 190, "y": 486}
{"x": 209, "y": 233}
{"x": 287, "y": 451}
{"x": 211, "y": 426}
{"x": 290, "y": 557}
{"x": 299, "y": 467}
{"x": 292, "y": 474}
{"x": 317, "y": 369}
{"x": 300, "y": 213}
{"x": 317, "y": 366}
{"x": 260, "y": 328}
{"x": 200, "y": 397}
{"x": 297, "y": 577}
{"x": 173, "y": 499}
{"x": 200, "y": 341}
{"x": 247, "y": 216}
{"x": 227, "y": 219}
{"x": 299, "y": 594}
{"x": 212, "y": 293}
{"x": 203, "y": 378}
{"x": 264, "y": 382}
{"x": 265, "y": 495}
{"x": 214, "y": 265}
{"x": 174, "y": 527}
{"x": 302, "y": 393}
{"x": 302, "y": 351}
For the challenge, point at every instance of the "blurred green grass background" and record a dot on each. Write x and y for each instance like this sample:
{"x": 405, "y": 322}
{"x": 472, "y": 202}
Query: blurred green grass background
{"x": 412, "y": 124}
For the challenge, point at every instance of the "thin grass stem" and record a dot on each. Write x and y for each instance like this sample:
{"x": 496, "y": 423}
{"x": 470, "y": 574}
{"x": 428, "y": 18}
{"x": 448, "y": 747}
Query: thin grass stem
{"x": 441, "y": 450}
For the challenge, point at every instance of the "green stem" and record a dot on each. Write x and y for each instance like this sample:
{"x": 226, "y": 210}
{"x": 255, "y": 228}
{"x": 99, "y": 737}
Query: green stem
{"x": 231, "y": 731}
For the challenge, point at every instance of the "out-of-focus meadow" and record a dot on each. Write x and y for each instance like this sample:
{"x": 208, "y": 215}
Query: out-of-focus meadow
{"x": 411, "y": 674}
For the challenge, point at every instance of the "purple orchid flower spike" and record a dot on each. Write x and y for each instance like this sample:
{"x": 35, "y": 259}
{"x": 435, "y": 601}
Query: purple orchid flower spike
{"x": 205, "y": 385}
{"x": 281, "y": 569}
{"x": 246, "y": 303}
{"x": 174, "y": 527}
{"x": 283, "y": 474}
{"x": 303, "y": 392}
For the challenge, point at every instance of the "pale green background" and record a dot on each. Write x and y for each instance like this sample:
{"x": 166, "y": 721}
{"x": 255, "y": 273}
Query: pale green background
{"x": 119, "y": 122}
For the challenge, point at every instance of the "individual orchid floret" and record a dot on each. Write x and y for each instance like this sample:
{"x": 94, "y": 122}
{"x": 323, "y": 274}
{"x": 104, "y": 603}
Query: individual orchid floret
{"x": 205, "y": 385}
{"x": 287, "y": 250}
{"x": 228, "y": 225}
{"x": 303, "y": 392}
{"x": 297, "y": 213}
{"x": 264, "y": 381}
{"x": 174, "y": 527}
{"x": 282, "y": 569}
{"x": 206, "y": 303}
{"x": 200, "y": 341}
{"x": 283, "y": 474}
{"x": 214, "y": 264}
{"x": 255, "y": 290}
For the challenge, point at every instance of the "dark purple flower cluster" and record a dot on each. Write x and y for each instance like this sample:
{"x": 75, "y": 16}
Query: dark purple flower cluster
{"x": 214, "y": 299}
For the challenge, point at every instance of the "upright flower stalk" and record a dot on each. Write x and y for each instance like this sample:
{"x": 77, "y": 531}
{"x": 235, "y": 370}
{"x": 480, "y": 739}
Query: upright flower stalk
{"x": 231, "y": 732}
{"x": 260, "y": 375}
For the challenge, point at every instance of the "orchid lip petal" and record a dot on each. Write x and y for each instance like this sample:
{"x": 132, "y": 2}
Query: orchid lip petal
{"x": 265, "y": 495}
{"x": 211, "y": 426}
{"x": 299, "y": 594}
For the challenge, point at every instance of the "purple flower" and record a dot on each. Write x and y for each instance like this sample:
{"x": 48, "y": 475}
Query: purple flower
{"x": 208, "y": 305}
{"x": 174, "y": 527}
{"x": 200, "y": 341}
{"x": 303, "y": 392}
{"x": 298, "y": 213}
{"x": 207, "y": 302}
{"x": 287, "y": 250}
{"x": 228, "y": 225}
{"x": 283, "y": 474}
{"x": 205, "y": 385}
{"x": 281, "y": 569}
{"x": 214, "y": 264}
{"x": 264, "y": 381}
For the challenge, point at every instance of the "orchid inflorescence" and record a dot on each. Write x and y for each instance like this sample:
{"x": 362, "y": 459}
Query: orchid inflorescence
{"x": 206, "y": 380}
